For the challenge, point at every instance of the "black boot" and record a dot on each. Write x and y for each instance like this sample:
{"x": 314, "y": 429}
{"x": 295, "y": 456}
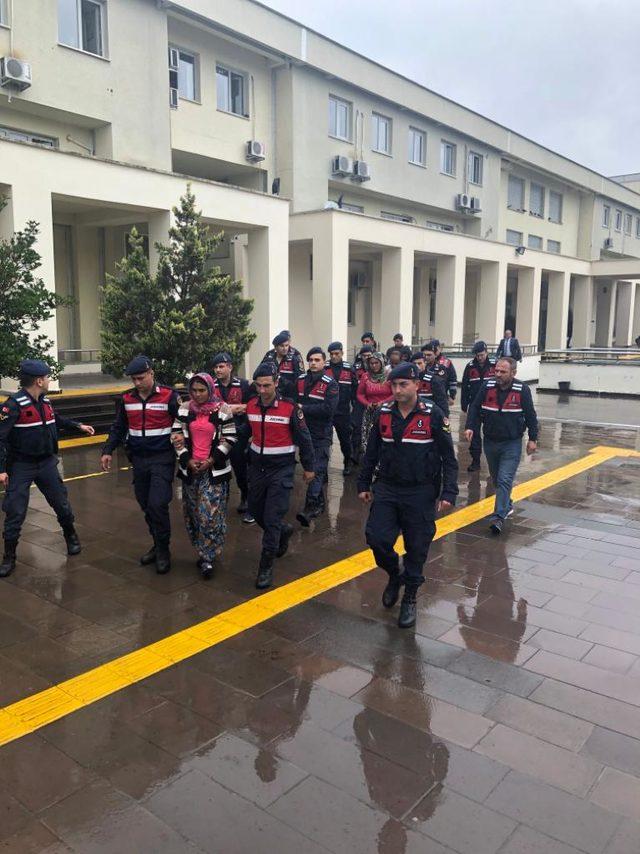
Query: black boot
{"x": 206, "y": 569}
{"x": 285, "y": 536}
{"x": 346, "y": 469}
{"x": 265, "y": 571}
{"x": 475, "y": 465}
{"x": 163, "y": 560}
{"x": 312, "y": 509}
{"x": 391, "y": 592}
{"x": 9, "y": 560}
{"x": 149, "y": 557}
{"x": 71, "y": 539}
{"x": 408, "y": 608}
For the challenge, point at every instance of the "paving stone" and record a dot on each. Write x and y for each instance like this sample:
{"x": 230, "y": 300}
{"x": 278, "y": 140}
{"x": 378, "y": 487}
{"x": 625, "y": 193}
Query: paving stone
{"x": 495, "y": 674}
{"x": 528, "y": 841}
{"x": 618, "y": 792}
{"x": 615, "y": 685}
{"x": 545, "y": 723}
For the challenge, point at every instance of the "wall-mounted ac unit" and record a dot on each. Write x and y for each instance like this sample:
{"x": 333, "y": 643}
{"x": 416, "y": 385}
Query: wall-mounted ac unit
{"x": 256, "y": 151}
{"x": 361, "y": 171}
{"x": 608, "y": 242}
{"x": 15, "y": 73}
{"x": 463, "y": 202}
{"x": 475, "y": 204}
{"x": 341, "y": 166}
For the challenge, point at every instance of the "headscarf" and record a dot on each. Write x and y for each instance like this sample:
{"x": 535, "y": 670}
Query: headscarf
{"x": 381, "y": 376}
{"x": 213, "y": 403}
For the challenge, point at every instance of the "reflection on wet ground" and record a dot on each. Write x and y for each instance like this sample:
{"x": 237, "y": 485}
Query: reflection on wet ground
{"x": 508, "y": 722}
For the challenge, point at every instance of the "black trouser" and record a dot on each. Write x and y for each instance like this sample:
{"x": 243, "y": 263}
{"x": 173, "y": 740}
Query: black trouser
{"x": 153, "y": 487}
{"x": 475, "y": 446}
{"x": 344, "y": 429}
{"x": 238, "y": 459}
{"x": 357, "y": 414}
{"x": 406, "y": 510}
{"x": 44, "y": 473}
{"x": 315, "y": 490}
{"x": 269, "y": 496}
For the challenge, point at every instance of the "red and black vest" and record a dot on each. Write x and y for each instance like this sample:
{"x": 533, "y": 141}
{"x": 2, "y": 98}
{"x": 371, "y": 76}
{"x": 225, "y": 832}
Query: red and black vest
{"x": 272, "y": 429}
{"x": 411, "y": 458}
{"x": 475, "y": 375}
{"x": 231, "y": 393}
{"x": 33, "y": 435}
{"x": 318, "y": 390}
{"x": 512, "y": 404}
{"x": 149, "y": 421}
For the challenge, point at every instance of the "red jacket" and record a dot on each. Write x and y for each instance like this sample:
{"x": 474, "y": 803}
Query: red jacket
{"x": 372, "y": 392}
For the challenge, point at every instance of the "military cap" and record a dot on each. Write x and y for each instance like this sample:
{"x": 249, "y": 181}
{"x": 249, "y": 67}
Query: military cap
{"x": 34, "y": 368}
{"x": 335, "y": 345}
{"x": 314, "y": 351}
{"x": 281, "y": 338}
{"x": 405, "y": 371}
{"x": 430, "y": 345}
{"x": 435, "y": 342}
{"x": 479, "y": 347}
{"x": 138, "y": 365}
{"x": 265, "y": 369}
{"x": 222, "y": 358}
{"x": 286, "y": 332}
{"x": 366, "y": 348}
{"x": 417, "y": 355}
{"x": 366, "y": 335}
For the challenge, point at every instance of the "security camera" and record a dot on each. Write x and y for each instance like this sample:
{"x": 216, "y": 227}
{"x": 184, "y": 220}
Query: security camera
{"x": 520, "y": 250}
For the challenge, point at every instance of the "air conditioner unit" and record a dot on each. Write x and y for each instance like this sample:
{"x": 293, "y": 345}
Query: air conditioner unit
{"x": 608, "y": 242}
{"x": 361, "y": 171}
{"x": 475, "y": 204}
{"x": 15, "y": 73}
{"x": 173, "y": 98}
{"x": 341, "y": 166}
{"x": 256, "y": 151}
{"x": 463, "y": 201}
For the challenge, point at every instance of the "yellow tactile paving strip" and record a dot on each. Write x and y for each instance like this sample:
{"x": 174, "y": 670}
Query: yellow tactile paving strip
{"x": 39, "y": 709}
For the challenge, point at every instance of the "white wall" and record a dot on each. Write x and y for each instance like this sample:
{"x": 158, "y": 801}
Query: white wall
{"x": 597, "y": 378}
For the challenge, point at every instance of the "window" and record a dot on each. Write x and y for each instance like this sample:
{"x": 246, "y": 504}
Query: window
{"x": 20, "y": 136}
{"x": 381, "y": 133}
{"x": 476, "y": 162}
{"x": 515, "y": 194}
{"x": 536, "y": 200}
{"x": 514, "y": 237}
{"x": 82, "y": 24}
{"x": 447, "y": 158}
{"x": 555, "y": 206}
{"x": 628, "y": 223}
{"x": 638, "y": 226}
{"x": 618, "y": 225}
{"x": 345, "y": 206}
{"x": 231, "y": 91}
{"x": 187, "y": 77}
{"x": 397, "y": 217}
{"x": 553, "y": 246}
{"x": 4, "y": 17}
{"x": 340, "y": 113}
{"x": 606, "y": 216}
{"x": 534, "y": 242}
{"x": 439, "y": 226}
{"x": 417, "y": 147}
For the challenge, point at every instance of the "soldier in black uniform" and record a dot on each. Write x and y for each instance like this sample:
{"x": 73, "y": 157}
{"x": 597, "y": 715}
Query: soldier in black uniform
{"x": 29, "y": 454}
{"x": 344, "y": 374}
{"x": 144, "y": 422}
{"x": 276, "y": 427}
{"x": 317, "y": 395}
{"x": 431, "y": 386}
{"x": 480, "y": 368}
{"x": 288, "y": 360}
{"x": 443, "y": 367}
{"x": 410, "y": 447}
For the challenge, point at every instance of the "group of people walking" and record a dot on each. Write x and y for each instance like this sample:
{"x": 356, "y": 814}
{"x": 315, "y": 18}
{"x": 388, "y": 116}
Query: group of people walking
{"x": 390, "y": 412}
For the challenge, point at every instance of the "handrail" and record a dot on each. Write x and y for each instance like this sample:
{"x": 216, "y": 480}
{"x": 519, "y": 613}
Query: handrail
{"x": 594, "y": 355}
{"x": 78, "y": 356}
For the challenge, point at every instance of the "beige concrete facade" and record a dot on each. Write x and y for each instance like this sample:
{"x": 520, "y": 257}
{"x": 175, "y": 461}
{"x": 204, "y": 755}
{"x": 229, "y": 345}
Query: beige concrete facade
{"x": 93, "y": 146}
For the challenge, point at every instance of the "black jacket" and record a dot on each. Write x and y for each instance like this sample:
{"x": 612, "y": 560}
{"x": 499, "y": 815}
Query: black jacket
{"x": 37, "y": 436}
{"x": 472, "y": 377}
{"x": 318, "y": 411}
{"x": 504, "y": 414}
{"x": 415, "y": 451}
{"x": 345, "y": 375}
{"x": 445, "y": 370}
{"x": 516, "y": 352}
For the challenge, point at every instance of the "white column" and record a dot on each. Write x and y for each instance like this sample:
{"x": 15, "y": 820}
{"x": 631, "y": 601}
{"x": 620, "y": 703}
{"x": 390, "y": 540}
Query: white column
{"x": 624, "y": 313}
{"x": 528, "y": 306}
{"x": 605, "y": 312}
{"x": 636, "y": 312}
{"x": 583, "y": 322}
{"x": 450, "y": 298}
{"x": 267, "y": 284}
{"x": 490, "y": 304}
{"x": 557, "y": 310}
{"x": 396, "y": 295}
{"x": 159, "y": 225}
{"x": 330, "y": 284}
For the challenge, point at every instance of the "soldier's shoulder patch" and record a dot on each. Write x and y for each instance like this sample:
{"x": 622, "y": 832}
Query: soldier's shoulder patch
{"x": 446, "y": 425}
{"x": 300, "y": 413}
{"x": 4, "y": 413}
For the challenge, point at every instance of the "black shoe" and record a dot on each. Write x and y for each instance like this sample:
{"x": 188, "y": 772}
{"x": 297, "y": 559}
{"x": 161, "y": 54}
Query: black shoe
{"x": 149, "y": 557}
{"x": 9, "y": 560}
{"x": 496, "y": 526}
{"x": 391, "y": 592}
{"x": 475, "y": 466}
{"x": 312, "y": 509}
{"x": 163, "y": 560}
{"x": 206, "y": 569}
{"x": 72, "y": 540}
{"x": 265, "y": 571}
{"x": 408, "y": 609}
{"x": 248, "y": 519}
{"x": 285, "y": 536}
{"x": 243, "y": 506}
{"x": 346, "y": 469}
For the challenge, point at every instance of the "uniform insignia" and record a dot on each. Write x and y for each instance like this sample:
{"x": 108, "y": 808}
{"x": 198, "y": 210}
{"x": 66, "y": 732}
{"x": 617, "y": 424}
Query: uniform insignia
{"x": 446, "y": 426}
{"x": 420, "y": 422}
{"x": 300, "y": 414}
{"x": 3, "y": 415}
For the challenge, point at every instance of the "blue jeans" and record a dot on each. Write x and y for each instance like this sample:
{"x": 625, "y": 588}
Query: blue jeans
{"x": 503, "y": 459}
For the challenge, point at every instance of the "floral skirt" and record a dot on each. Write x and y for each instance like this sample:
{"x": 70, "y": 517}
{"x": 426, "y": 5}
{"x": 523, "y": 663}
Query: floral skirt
{"x": 204, "y": 502}
{"x": 367, "y": 423}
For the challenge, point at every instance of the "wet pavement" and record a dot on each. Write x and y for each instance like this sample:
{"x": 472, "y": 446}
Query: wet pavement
{"x": 508, "y": 721}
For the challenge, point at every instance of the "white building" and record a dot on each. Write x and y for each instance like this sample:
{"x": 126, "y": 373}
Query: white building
{"x": 450, "y": 224}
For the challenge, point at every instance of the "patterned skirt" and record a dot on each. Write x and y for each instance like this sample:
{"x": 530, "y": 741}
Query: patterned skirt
{"x": 204, "y": 502}
{"x": 367, "y": 423}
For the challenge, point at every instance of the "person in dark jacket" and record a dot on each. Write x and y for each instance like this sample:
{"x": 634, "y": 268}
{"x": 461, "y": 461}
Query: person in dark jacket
{"x": 144, "y": 422}
{"x": 344, "y": 374}
{"x": 431, "y": 386}
{"x": 317, "y": 396}
{"x": 411, "y": 450}
{"x": 29, "y": 454}
{"x": 505, "y": 409}
{"x": 509, "y": 346}
{"x": 398, "y": 344}
{"x": 480, "y": 368}
{"x": 288, "y": 360}
{"x": 442, "y": 367}
{"x": 204, "y": 437}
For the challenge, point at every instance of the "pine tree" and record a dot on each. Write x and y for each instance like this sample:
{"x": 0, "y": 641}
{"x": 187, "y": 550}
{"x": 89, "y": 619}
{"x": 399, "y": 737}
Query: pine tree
{"x": 184, "y": 314}
{"x": 25, "y": 303}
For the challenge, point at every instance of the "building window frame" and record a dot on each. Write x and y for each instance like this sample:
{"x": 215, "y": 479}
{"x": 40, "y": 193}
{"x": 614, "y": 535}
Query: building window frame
{"x": 554, "y": 246}
{"x": 396, "y": 217}
{"x": 42, "y": 140}
{"x": 534, "y": 241}
{"x": 4, "y": 13}
{"x": 439, "y": 226}
{"x": 75, "y": 35}
{"x": 511, "y": 184}
{"x": 381, "y": 134}
{"x": 181, "y": 51}
{"x": 231, "y": 74}
{"x": 513, "y": 237}
{"x": 335, "y": 102}
{"x": 448, "y": 158}
{"x": 553, "y": 215}
{"x": 421, "y": 135}
{"x": 540, "y": 192}
{"x": 628, "y": 223}
{"x": 475, "y": 167}
{"x": 638, "y": 226}
{"x": 606, "y": 216}
{"x": 351, "y": 208}
{"x": 618, "y": 220}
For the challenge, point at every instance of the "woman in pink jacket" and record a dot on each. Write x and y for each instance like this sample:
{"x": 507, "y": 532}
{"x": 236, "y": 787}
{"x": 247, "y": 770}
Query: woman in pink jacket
{"x": 373, "y": 390}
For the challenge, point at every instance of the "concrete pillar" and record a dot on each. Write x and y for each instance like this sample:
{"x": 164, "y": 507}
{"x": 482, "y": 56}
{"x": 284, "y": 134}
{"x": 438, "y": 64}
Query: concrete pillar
{"x": 583, "y": 321}
{"x": 490, "y": 305}
{"x": 624, "y": 313}
{"x": 450, "y": 298}
{"x": 330, "y": 284}
{"x": 422, "y": 328}
{"x": 605, "y": 312}
{"x": 396, "y": 294}
{"x": 267, "y": 284}
{"x": 636, "y": 313}
{"x": 557, "y": 310}
{"x": 528, "y": 306}
{"x": 159, "y": 225}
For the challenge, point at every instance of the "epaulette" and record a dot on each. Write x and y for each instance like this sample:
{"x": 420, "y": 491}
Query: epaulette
{"x": 386, "y": 407}
{"x": 517, "y": 386}
{"x": 327, "y": 378}
{"x": 347, "y": 365}
{"x": 426, "y": 404}
{"x": 490, "y": 382}
{"x": 20, "y": 398}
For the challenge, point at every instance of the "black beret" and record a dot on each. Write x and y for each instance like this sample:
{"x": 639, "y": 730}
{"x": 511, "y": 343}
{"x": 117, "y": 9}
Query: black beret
{"x": 281, "y": 338}
{"x": 405, "y": 371}
{"x": 366, "y": 335}
{"x": 265, "y": 369}
{"x": 435, "y": 342}
{"x": 222, "y": 358}
{"x": 286, "y": 332}
{"x": 138, "y": 365}
{"x": 417, "y": 355}
{"x": 479, "y": 347}
{"x": 335, "y": 345}
{"x": 314, "y": 351}
{"x": 34, "y": 368}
